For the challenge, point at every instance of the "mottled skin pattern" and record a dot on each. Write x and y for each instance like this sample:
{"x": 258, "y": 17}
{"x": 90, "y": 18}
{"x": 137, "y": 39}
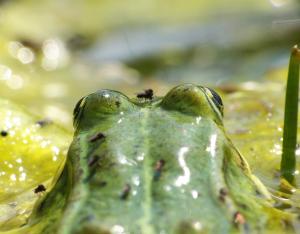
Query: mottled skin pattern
{"x": 155, "y": 166}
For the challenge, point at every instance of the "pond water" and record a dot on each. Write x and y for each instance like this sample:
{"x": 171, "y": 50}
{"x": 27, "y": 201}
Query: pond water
{"x": 54, "y": 52}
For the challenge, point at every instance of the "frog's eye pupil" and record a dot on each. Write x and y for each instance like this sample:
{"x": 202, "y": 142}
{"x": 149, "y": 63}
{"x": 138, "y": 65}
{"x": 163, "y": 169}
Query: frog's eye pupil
{"x": 216, "y": 99}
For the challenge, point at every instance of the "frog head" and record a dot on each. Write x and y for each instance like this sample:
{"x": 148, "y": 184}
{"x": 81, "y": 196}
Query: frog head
{"x": 188, "y": 99}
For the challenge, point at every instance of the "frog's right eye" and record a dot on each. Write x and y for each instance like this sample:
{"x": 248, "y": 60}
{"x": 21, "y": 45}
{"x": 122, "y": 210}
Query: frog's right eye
{"x": 99, "y": 105}
{"x": 192, "y": 100}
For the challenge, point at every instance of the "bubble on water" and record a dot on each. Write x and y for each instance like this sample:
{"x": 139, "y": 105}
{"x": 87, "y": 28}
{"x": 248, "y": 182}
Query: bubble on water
{"x": 19, "y": 160}
{"x": 13, "y": 48}
{"x": 55, "y": 53}
{"x": 5, "y": 72}
{"x": 13, "y": 177}
{"x": 22, "y": 176}
{"x": 15, "y": 82}
{"x": 25, "y": 55}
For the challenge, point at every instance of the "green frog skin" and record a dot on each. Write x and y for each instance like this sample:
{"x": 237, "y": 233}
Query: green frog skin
{"x": 155, "y": 166}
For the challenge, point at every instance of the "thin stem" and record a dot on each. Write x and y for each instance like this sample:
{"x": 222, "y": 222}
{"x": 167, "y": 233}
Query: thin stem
{"x": 288, "y": 160}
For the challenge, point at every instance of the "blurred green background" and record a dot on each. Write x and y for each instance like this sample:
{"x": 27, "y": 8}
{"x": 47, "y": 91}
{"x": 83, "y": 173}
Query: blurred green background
{"x": 52, "y": 52}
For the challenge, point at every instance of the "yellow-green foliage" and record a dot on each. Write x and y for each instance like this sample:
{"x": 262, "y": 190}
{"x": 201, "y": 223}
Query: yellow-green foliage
{"x": 31, "y": 153}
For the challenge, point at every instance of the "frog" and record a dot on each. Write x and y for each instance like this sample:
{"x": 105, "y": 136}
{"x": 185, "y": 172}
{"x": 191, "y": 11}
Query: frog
{"x": 155, "y": 165}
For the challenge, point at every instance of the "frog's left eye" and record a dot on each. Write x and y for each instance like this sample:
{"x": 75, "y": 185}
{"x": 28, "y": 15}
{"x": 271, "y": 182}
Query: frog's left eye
{"x": 99, "y": 106}
{"x": 215, "y": 97}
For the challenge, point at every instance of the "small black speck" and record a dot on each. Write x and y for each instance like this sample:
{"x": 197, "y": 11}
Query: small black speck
{"x": 4, "y": 133}
{"x": 125, "y": 192}
{"x": 40, "y": 188}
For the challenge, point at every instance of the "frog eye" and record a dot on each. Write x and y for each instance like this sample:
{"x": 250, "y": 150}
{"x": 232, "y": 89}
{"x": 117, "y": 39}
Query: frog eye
{"x": 215, "y": 97}
{"x": 78, "y": 107}
{"x": 193, "y": 100}
{"x": 99, "y": 105}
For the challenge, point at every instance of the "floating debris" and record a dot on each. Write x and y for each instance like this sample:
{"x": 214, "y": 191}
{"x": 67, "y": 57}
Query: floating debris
{"x": 40, "y": 188}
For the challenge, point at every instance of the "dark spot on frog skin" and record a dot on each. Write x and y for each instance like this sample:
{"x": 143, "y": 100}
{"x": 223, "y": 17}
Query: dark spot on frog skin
{"x": 147, "y": 94}
{"x": 222, "y": 194}
{"x": 238, "y": 218}
{"x": 4, "y": 133}
{"x": 93, "y": 160}
{"x": 118, "y": 103}
{"x": 40, "y": 188}
{"x": 158, "y": 169}
{"x": 43, "y": 122}
{"x": 125, "y": 192}
{"x": 98, "y": 136}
